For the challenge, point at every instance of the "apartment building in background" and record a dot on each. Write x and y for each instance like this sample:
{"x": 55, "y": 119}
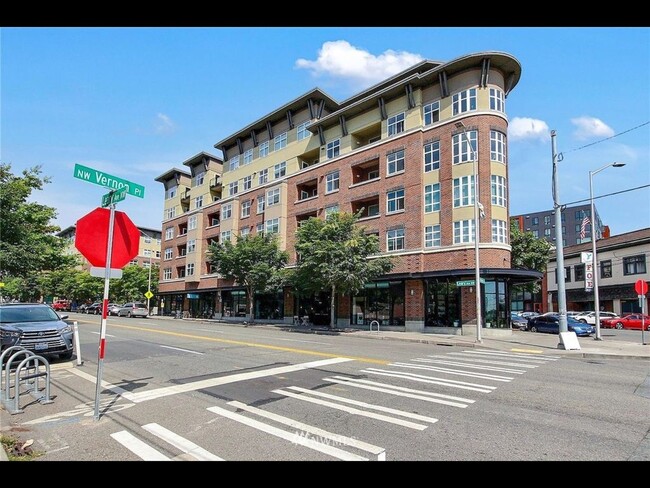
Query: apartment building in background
{"x": 402, "y": 153}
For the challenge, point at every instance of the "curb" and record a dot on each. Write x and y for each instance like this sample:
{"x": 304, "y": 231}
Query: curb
{"x": 3, "y": 454}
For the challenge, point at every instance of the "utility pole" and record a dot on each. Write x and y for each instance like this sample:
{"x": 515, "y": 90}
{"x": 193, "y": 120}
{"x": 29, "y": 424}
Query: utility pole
{"x": 559, "y": 244}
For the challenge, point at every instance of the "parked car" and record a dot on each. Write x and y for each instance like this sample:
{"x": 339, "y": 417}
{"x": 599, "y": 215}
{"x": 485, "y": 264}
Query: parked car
{"x": 113, "y": 308}
{"x": 36, "y": 327}
{"x": 517, "y": 321}
{"x": 95, "y": 308}
{"x": 550, "y": 323}
{"x": 590, "y": 317}
{"x": 62, "y": 305}
{"x": 133, "y": 309}
{"x": 631, "y": 321}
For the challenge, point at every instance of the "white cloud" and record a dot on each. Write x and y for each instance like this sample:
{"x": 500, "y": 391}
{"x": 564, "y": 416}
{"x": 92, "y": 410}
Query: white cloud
{"x": 520, "y": 128}
{"x": 164, "y": 124}
{"x": 588, "y": 127}
{"x": 341, "y": 59}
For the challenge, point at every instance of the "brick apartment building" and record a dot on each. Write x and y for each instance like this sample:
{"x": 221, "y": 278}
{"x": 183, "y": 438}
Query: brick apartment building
{"x": 396, "y": 151}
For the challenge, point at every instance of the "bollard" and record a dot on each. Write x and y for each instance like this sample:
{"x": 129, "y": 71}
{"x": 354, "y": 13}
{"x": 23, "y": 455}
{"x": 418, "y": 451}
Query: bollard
{"x": 77, "y": 347}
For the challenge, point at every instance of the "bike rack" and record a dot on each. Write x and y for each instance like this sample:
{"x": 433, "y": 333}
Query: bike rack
{"x": 31, "y": 366}
{"x": 373, "y": 323}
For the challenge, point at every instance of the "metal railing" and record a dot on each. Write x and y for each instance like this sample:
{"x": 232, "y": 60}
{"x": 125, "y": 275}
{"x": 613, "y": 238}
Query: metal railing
{"x": 27, "y": 374}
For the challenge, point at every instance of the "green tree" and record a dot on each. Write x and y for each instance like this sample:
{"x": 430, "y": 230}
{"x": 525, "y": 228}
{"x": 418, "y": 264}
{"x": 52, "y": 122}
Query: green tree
{"x": 336, "y": 255}
{"x": 28, "y": 244}
{"x": 255, "y": 262}
{"x": 528, "y": 252}
{"x": 133, "y": 284}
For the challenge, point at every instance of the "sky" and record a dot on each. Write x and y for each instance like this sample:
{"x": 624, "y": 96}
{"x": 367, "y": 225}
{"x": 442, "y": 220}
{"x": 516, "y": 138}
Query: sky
{"x": 134, "y": 102}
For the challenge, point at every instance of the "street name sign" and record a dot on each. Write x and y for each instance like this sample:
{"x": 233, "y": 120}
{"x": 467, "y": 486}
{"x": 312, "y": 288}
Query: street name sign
{"x": 469, "y": 282}
{"x": 113, "y": 196}
{"x": 108, "y": 181}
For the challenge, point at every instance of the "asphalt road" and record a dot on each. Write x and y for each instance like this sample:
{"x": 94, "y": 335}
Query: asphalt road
{"x": 205, "y": 391}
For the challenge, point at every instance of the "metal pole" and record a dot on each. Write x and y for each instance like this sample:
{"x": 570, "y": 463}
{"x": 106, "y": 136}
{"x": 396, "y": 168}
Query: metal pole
{"x": 77, "y": 347}
{"x": 559, "y": 244}
{"x": 643, "y": 310}
{"x": 594, "y": 258}
{"x": 477, "y": 238}
{"x": 149, "y": 285}
{"x": 102, "y": 331}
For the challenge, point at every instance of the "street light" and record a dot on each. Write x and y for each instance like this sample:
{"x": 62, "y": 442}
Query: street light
{"x": 477, "y": 211}
{"x": 593, "y": 244}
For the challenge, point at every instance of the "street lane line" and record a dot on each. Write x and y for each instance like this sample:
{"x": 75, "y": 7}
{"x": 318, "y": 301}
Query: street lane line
{"x": 399, "y": 391}
{"x": 370, "y": 406}
{"x": 514, "y": 355}
{"x": 380, "y": 452}
{"x": 105, "y": 384}
{"x": 469, "y": 365}
{"x": 301, "y": 340}
{"x": 480, "y": 361}
{"x": 181, "y": 443}
{"x": 136, "y": 446}
{"x": 182, "y": 350}
{"x": 147, "y": 395}
{"x": 430, "y": 379}
{"x": 457, "y": 372}
{"x": 97, "y": 333}
{"x": 289, "y": 436}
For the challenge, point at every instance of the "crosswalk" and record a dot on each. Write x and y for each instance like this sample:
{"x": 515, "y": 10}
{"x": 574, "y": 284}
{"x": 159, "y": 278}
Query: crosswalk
{"x": 454, "y": 380}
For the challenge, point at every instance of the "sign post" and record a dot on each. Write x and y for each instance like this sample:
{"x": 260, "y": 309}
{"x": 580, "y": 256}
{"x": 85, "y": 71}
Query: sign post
{"x": 641, "y": 287}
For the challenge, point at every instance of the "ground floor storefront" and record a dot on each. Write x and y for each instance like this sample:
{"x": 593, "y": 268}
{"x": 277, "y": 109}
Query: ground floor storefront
{"x": 621, "y": 299}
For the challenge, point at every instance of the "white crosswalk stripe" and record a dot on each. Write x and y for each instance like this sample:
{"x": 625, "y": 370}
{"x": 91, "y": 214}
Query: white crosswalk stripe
{"x": 140, "y": 448}
{"x": 458, "y": 372}
{"x": 513, "y": 355}
{"x": 181, "y": 443}
{"x": 482, "y": 361}
{"x": 469, "y": 365}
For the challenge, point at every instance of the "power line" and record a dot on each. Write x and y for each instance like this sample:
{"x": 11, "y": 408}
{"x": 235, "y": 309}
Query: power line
{"x": 608, "y": 138}
{"x": 606, "y": 195}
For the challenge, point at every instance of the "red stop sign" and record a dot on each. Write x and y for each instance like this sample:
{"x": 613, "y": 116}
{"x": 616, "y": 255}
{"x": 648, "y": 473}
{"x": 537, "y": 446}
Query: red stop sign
{"x": 641, "y": 287}
{"x": 91, "y": 238}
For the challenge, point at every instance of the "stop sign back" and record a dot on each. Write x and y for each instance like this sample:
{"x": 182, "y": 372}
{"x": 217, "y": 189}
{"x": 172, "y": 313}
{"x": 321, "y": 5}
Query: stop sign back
{"x": 641, "y": 287}
{"x": 91, "y": 238}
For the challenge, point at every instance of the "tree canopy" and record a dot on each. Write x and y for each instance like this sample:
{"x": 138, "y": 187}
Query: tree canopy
{"x": 528, "y": 252}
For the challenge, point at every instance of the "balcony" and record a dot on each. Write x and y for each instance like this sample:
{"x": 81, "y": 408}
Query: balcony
{"x": 214, "y": 219}
{"x": 216, "y": 188}
{"x": 366, "y": 136}
{"x": 307, "y": 190}
{"x": 304, "y": 217}
{"x": 365, "y": 172}
{"x": 308, "y": 159}
{"x": 185, "y": 195}
{"x": 369, "y": 207}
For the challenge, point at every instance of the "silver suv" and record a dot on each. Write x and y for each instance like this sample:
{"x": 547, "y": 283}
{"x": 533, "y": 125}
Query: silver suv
{"x": 36, "y": 327}
{"x": 133, "y": 309}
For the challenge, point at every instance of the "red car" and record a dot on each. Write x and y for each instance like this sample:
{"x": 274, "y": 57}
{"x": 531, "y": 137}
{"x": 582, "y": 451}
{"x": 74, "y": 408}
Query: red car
{"x": 631, "y": 321}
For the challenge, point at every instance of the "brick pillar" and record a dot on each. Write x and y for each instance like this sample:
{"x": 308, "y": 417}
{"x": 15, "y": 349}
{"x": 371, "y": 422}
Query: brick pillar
{"x": 414, "y": 290}
{"x": 343, "y": 310}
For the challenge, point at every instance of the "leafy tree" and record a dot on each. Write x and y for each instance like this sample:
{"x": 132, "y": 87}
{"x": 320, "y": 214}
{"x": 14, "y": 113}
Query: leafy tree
{"x": 336, "y": 255}
{"x": 28, "y": 245}
{"x": 528, "y": 252}
{"x": 255, "y": 262}
{"x": 133, "y": 284}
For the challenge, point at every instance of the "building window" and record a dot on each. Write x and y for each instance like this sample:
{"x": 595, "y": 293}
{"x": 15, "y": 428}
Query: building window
{"x": 191, "y": 222}
{"x": 246, "y": 208}
{"x": 547, "y": 232}
{"x": 395, "y": 201}
{"x": 273, "y": 226}
{"x": 331, "y": 210}
{"x": 198, "y": 202}
{"x": 189, "y": 270}
{"x": 233, "y": 188}
{"x": 463, "y": 152}
{"x": 199, "y": 179}
{"x": 169, "y": 253}
{"x": 464, "y": 191}
{"x": 431, "y": 113}
{"x": 579, "y": 271}
{"x": 263, "y": 177}
{"x": 234, "y": 163}
{"x": 333, "y": 148}
{"x": 191, "y": 245}
{"x": 498, "y": 190}
{"x": 170, "y": 213}
{"x": 563, "y": 230}
{"x": 432, "y": 236}
{"x": 431, "y": 156}
{"x": 264, "y": 149}
{"x": 226, "y": 211}
{"x": 245, "y": 231}
{"x": 280, "y": 170}
{"x": 497, "y": 146}
{"x": 463, "y": 231}
{"x": 225, "y": 236}
{"x": 302, "y": 132}
{"x": 248, "y": 182}
{"x": 332, "y": 182}
{"x": 147, "y": 239}
{"x": 535, "y": 233}
{"x": 181, "y": 272}
{"x": 171, "y": 192}
{"x": 272, "y": 197}
{"x": 578, "y": 227}
{"x": 260, "y": 228}
{"x": 395, "y": 162}
{"x": 396, "y": 124}
{"x": 248, "y": 156}
{"x": 567, "y": 274}
{"x": 547, "y": 220}
{"x": 260, "y": 204}
{"x": 158, "y": 254}
{"x": 499, "y": 231}
{"x": 464, "y": 101}
{"x": 497, "y": 100}
{"x": 634, "y": 265}
{"x": 395, "y": 240}
{"x": 167, "y": 274}
{"x": 606, "y": 268}
{"x": 169, "y": 233}
{"x": 280, "y": 141}
{"x": 432, "y": 198}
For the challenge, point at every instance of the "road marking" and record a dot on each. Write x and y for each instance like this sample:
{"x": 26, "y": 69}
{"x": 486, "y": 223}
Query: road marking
{"x": 141, "y": 449}
{"x": 380, "y": 452}
{"x": 97, "y": 333}
{"x": 181, "y": 443}
{"x": 147, "y": 395}
{"x": 400, "y": 391}
{"x": 515, "y": 355}
{"x": 355, "y": 411}
{"x": 469, "y": 365}
{"x": 531, "y": 351}
{"x": 292, "y": 437}
{"x": 461, "y": 372}
{"x": 430, "y": 379}
{"x": 301, "y": 340}
{"x": 182, "y": 350}
{"x": 480, "y": 361}
{"x": 105, "y": 384}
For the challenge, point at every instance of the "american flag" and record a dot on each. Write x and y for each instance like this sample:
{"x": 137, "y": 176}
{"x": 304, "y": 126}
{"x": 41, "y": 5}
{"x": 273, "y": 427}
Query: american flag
{"x": 583, "y": 227}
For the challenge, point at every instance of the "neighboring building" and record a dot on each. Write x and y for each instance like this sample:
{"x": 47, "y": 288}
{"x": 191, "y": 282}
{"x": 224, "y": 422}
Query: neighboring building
{"x": 622, "y": 260}
{"x": 542, "y": 225}
{"x": 149, "y": 250}
{"x": 394, "y": 150}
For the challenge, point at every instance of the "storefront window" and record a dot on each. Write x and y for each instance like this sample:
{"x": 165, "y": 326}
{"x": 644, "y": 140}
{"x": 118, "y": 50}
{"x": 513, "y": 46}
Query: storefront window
{"x": 316, "y": 307}
{"x": 233, "y": 303}
{"x": 495, "y": 304}
{"x": 381, "y": 301}
{"x": 443, "y": 304}
{"x": 269, "y": 306}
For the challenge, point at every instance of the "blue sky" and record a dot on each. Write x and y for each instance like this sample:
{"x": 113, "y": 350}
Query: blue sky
{"x": 135, "y": 102}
